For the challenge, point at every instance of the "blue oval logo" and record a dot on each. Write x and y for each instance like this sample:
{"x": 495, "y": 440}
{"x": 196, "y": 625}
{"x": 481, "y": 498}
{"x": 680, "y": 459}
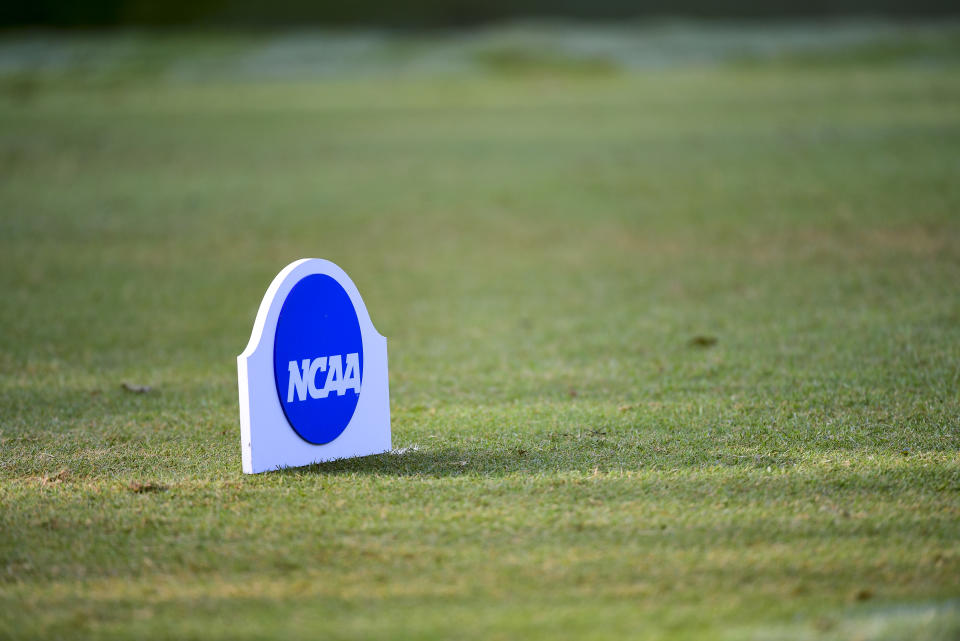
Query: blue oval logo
{"x": 318, "y": 359}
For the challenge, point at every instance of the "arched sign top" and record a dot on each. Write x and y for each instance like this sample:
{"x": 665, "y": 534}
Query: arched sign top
{"x": 313, "y": 378}
{"x": 284, "y": 281}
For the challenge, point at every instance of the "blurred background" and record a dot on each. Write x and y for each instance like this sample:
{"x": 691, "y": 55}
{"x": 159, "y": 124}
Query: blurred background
{"x": 498, "y": 177}
{"x": 433, "y": 13}
{"x": 470, "y": 157}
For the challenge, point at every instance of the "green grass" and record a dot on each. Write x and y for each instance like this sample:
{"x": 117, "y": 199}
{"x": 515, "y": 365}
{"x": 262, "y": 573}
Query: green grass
{"x": 542, "y": 250}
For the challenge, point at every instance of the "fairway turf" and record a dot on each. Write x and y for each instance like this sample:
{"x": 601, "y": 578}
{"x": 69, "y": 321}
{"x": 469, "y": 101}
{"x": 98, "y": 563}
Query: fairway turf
{"x": 674, "y": 353}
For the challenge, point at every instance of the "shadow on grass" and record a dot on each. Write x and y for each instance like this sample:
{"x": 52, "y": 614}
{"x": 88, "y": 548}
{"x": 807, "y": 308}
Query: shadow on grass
{"x": 588, "y": 459}
{"x": 449, "y": 461}
{"x": 656, "y": 454}
{"x": 746, "y": 478}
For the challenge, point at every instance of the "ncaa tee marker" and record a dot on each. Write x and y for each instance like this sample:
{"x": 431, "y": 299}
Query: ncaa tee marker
{"x": 313, "y": 378}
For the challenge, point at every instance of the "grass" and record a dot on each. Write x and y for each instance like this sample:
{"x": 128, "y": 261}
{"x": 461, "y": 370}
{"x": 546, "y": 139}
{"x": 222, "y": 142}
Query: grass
{"x": 675, "y": 353}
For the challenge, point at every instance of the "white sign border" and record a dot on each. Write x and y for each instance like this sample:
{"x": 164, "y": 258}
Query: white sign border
{"x": 268, "y": 442}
